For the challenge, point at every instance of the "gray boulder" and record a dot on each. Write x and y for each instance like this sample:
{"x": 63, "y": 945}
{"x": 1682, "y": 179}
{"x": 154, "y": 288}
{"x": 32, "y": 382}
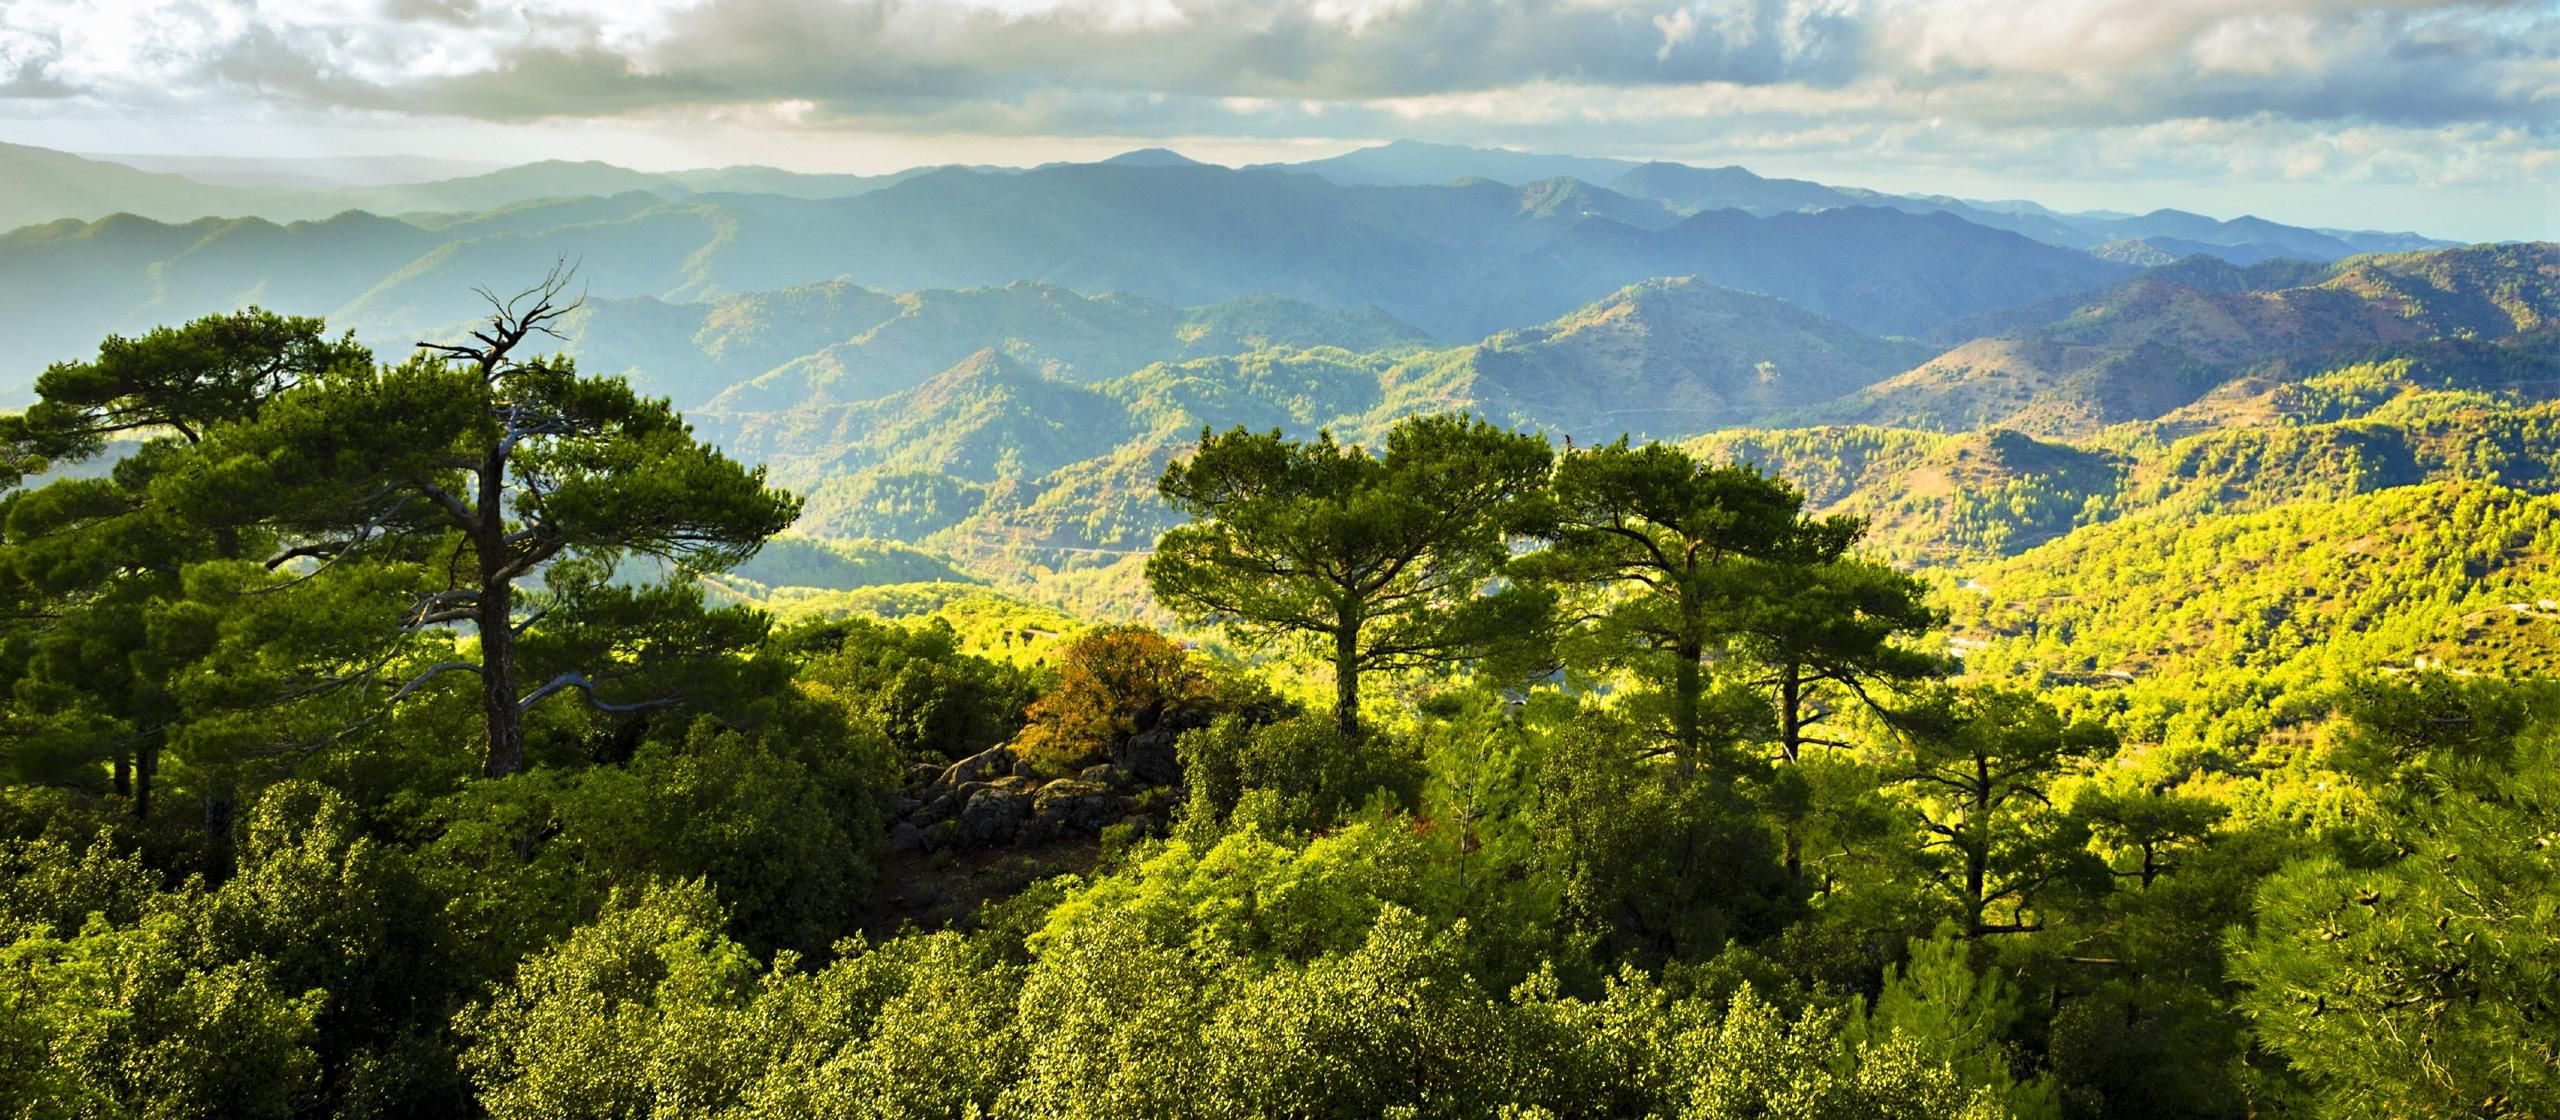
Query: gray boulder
{"x": 1149, "y": 755}
{"x": 1074, "y": 805}
{"x": 992, "y": 816}
{"x": 941, "y": 808}
{"x": 986, "y": 765}
{"x": 906, "y": 837}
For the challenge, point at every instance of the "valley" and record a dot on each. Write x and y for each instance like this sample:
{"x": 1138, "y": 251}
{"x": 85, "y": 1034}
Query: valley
{"x": 1423, "y": 631}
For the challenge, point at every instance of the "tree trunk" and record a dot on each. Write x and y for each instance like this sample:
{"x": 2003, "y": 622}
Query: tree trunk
{"x": 123, "y": 773}
{"x": 497, "y": 626}
{"x": 498, "y": 682}
{"x": 1791, "y": 713}
{"x": 1791, "y": 745}
{"x": 218, "y": 807}
{"x": 1975, "y": 859}
{"x": 1346, "y": 675}
{"x": 1687, "y": 686}
{"x": 146, "y": 766}
{"x": 1977, "y": 847}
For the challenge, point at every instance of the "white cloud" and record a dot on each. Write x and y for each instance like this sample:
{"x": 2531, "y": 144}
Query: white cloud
{"x": 1677, "y": 28}
{"x": 2463, "y": 92}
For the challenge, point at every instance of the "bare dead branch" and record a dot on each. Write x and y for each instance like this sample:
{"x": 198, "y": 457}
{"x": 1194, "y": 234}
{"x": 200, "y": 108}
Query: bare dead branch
{"x": 587, "y": 685}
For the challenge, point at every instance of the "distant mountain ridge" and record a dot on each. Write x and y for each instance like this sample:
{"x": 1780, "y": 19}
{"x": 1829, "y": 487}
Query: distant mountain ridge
{"x": 1664, "y": 357}
{"x": 1457, "y": 262}
{"x": 1073, "y": 337}
{"x": 54, "y": 185}
{"x": 1690, "y": 189}
{"x": 1668, "y": 356}
{"x": 48, "y": 186}
{"x": 2162, "y": 341}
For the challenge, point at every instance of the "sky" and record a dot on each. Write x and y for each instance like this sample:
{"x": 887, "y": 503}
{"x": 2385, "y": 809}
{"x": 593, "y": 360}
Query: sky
{"x": 2443, "y": 117}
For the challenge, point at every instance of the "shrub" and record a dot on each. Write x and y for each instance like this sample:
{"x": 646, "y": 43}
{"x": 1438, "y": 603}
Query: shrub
{"x": 1113, "y": 683}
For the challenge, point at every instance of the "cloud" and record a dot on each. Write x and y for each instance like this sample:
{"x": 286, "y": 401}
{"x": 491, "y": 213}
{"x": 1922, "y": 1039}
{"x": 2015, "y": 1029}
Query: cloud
{"x": 2464, "y": 90}
{"x": 28, "y": 59}
{"x": 2099, "y": 61}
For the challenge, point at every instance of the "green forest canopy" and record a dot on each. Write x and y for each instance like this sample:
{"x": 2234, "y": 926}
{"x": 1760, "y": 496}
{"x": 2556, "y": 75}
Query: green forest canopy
{"x": 1709, "y": 816}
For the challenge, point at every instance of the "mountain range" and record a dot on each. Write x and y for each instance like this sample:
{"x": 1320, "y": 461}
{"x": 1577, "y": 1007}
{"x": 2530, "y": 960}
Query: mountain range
{"x": 2162, "y": 342}
{"x": 1457, "y": 262}
{"x": 995, "y": 364}
{"x": 54, "y": 185}
{"x": 1460, "y": 242}
{"x": 1014, "y": 460}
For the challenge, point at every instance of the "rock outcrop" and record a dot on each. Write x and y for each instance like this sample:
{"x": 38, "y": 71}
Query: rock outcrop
{"x": 994, "y": 798}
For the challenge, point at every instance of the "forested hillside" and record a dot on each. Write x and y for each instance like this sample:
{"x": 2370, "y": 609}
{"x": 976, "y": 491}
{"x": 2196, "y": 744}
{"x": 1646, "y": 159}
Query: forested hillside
{"x": 1491, "y": 775}
{"x": 2308, "y": 414}
{"x": 1425, "y": 632}
{"x": 2160, "y": 342}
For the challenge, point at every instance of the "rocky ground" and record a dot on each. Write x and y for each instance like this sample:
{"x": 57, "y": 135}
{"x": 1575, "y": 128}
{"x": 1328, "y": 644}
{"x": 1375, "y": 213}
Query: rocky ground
{"x": 989, "y": 825}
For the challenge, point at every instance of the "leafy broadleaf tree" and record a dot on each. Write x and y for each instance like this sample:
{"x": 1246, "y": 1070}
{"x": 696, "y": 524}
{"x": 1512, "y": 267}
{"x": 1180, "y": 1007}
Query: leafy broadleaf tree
{"x": 1113, "y": 683}
{"x": 1378, "y": 561}
{"x": 494, "y": 467}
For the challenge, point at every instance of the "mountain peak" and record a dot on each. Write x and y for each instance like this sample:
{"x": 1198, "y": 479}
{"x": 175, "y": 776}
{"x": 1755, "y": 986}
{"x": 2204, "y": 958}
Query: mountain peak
{"x": 989, "y": 363}
{"x": 1152, "y": 157}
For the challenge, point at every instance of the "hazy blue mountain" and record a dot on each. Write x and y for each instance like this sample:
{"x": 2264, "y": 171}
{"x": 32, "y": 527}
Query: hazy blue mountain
{"x": 536, "y": 216}
{"x": 2196, "y": 229}
{"x": 71, "y": 283}
{"x": 1152, "y": 157}
{"x": 790, "y": 184}
{"x": 1692, "y": 189}
{"x": 1666, "y": 357}
{"x": 302, "y": 172}
{"x": 1410, "y": 163}
{"x": 46, "y": 185}
{"x": 543, "y": 179}
{"x": 690, "y": 352}
{"x": 1457, "y": 262}
{"x": 1065, "y": 335}
{"x": 2377, "y": 241}
{"x": 52, "y": 185}
{"x": 987, "y": 417}
{"x": 2153, "y": 238}
{"x": 1571, "y": 200}
{"x": 1878, "y": 270}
